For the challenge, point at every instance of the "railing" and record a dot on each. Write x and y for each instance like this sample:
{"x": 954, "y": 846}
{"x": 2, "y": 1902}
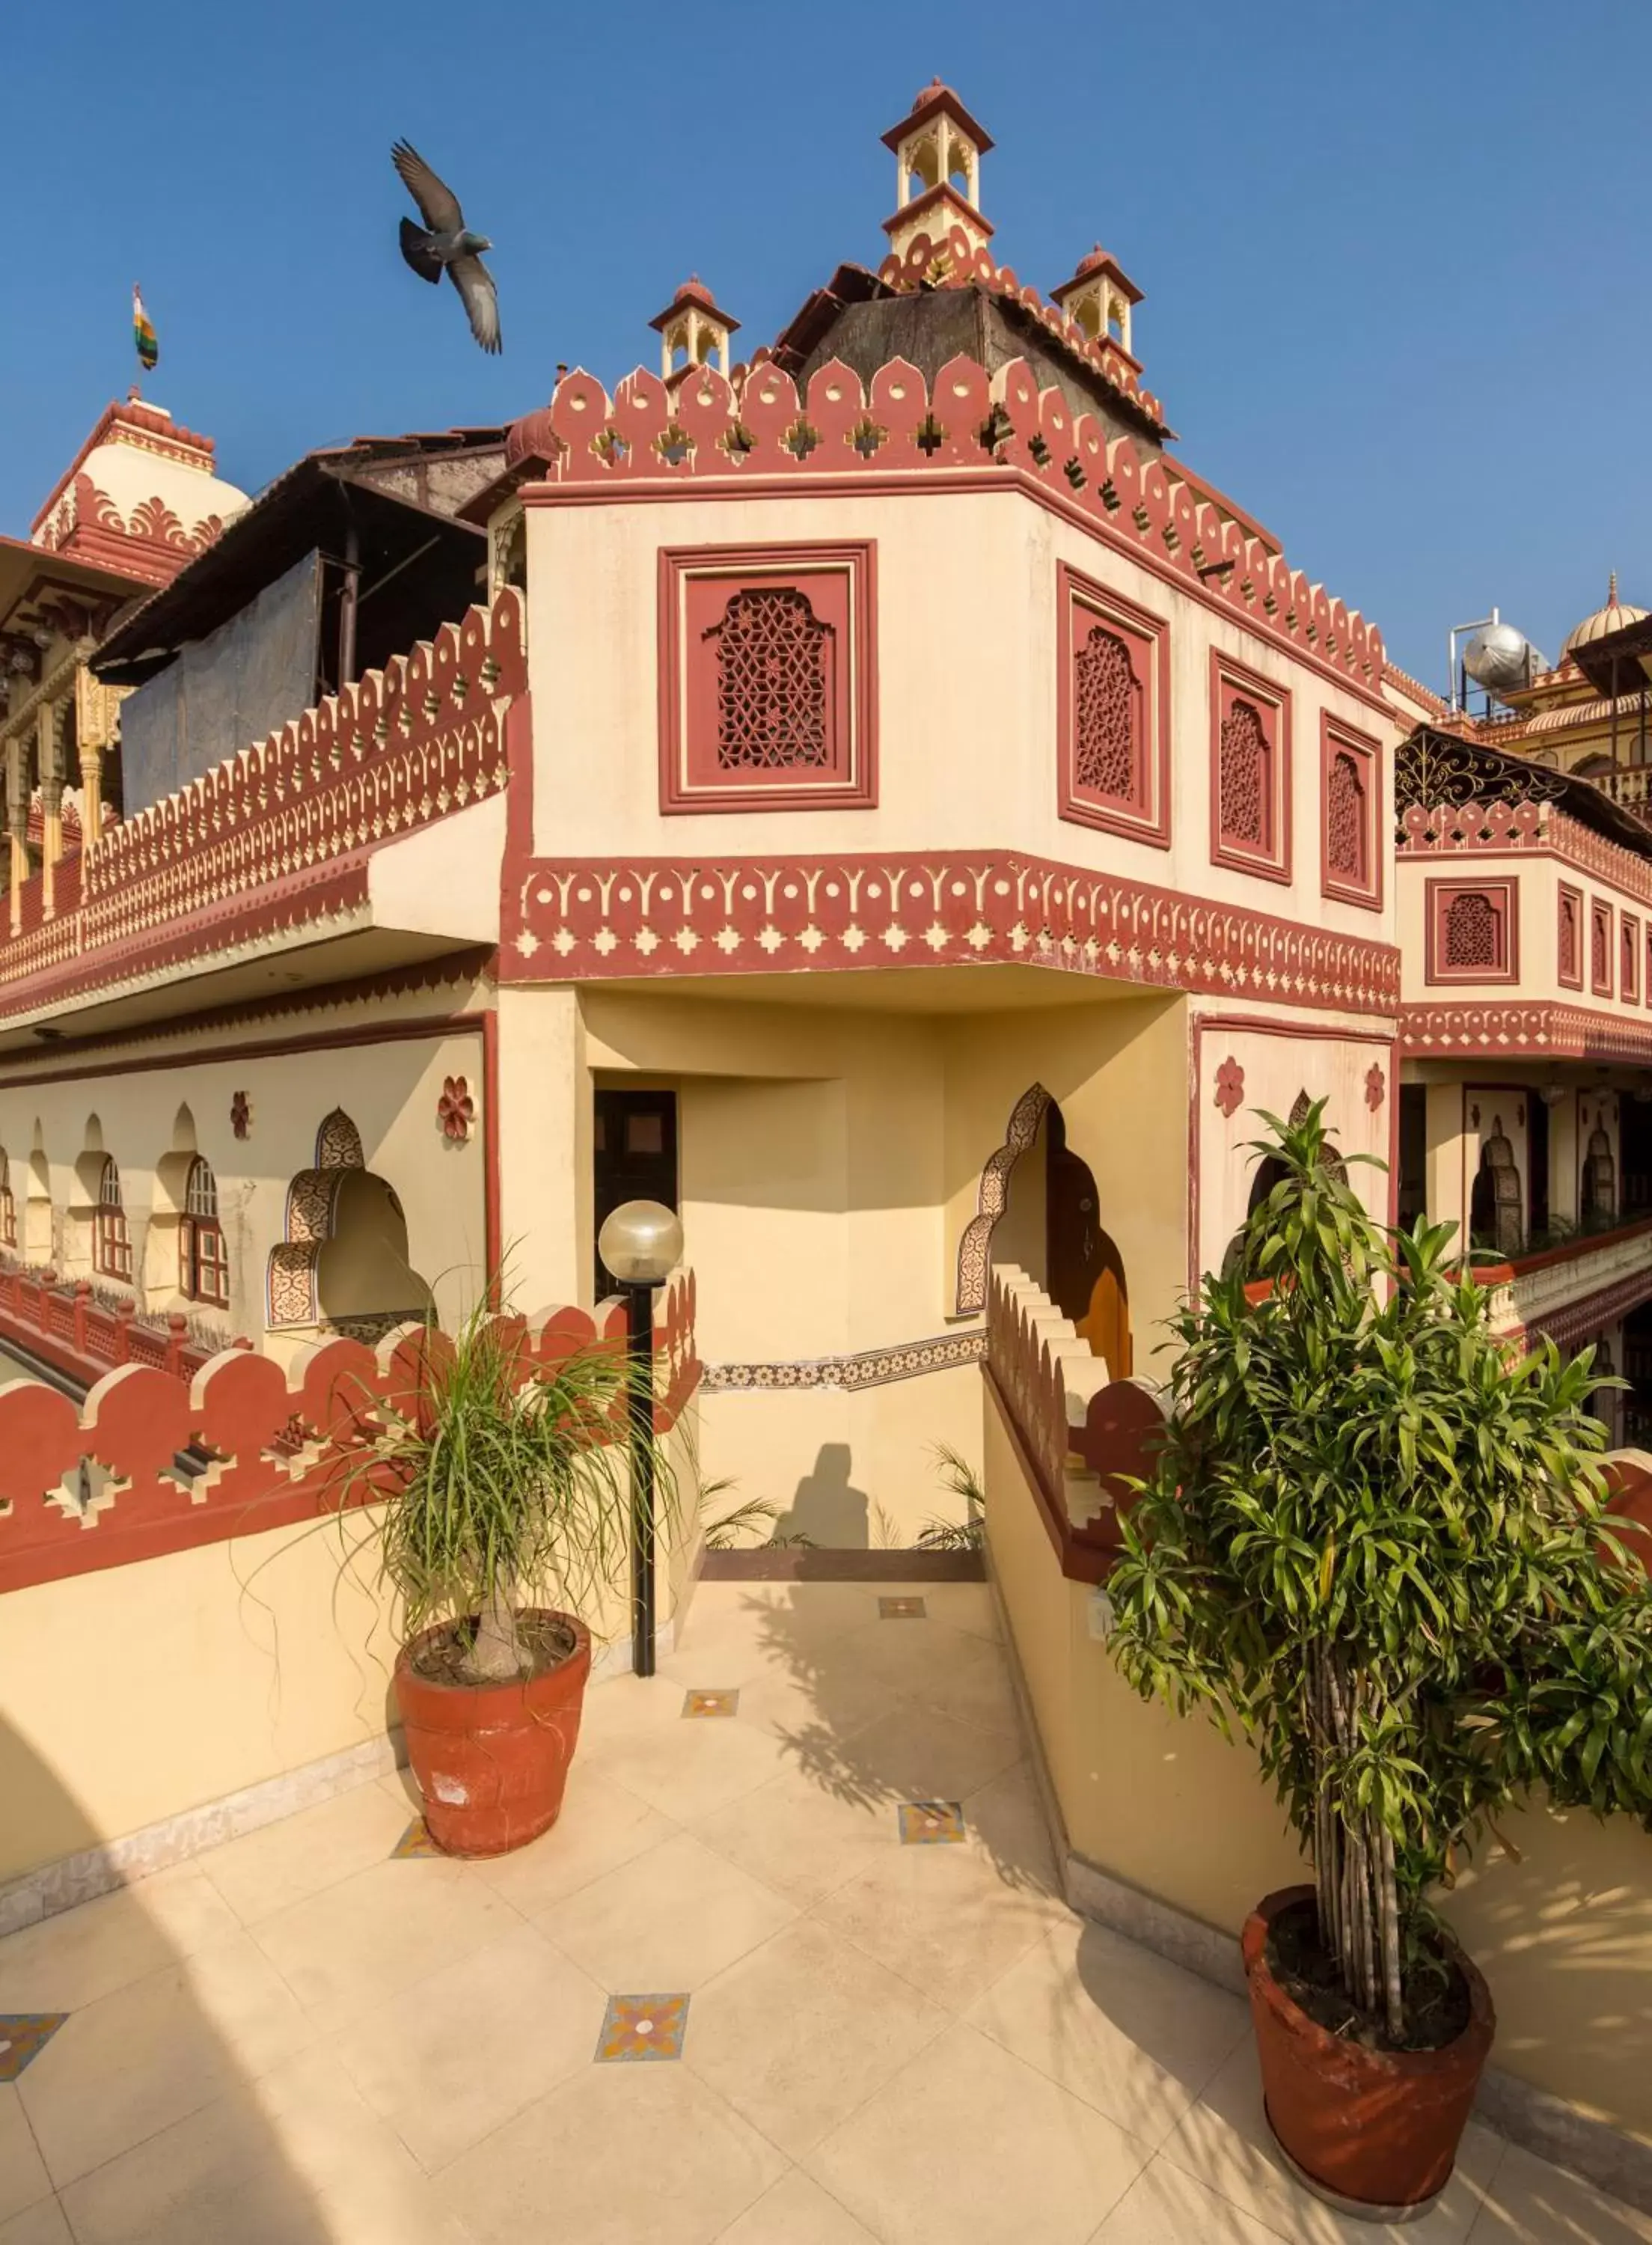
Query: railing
{"x": 1569, "y": 1292}
{"x": 82, "y": 1489}
{"x": 1083, "y": 1434}
{"x": 285, "y": 824}
{"x": 64, "y": 1323}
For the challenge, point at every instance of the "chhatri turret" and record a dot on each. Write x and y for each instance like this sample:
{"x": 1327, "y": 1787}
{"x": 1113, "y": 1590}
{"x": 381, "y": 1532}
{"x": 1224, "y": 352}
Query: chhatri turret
{"x": 936, "y": 144}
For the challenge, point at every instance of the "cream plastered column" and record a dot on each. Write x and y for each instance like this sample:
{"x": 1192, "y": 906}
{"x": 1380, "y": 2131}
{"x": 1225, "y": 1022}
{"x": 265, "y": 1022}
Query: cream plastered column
{"x": 1563, "y": 1160}
{"x": 51, "y": 724}
{"x": 18, "y": 823}
{"x": 545, "y": 1154}
{"x": 1447, "y": 1155}
{"x": 96, "y": 717}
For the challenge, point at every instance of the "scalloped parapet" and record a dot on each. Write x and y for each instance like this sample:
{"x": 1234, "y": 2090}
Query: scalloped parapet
{"x": 1084, "y": 1435}
{"x": 757, "y": 426}
{"x": 278, "y": 834}
{"x": 99, "y": 1486}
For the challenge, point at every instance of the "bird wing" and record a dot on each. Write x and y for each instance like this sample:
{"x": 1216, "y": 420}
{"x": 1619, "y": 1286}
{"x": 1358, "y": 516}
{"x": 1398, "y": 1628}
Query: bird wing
{"x": 475, "y": 284}
{"x": 415, "y": 247}
{"x": 437, "y": 203}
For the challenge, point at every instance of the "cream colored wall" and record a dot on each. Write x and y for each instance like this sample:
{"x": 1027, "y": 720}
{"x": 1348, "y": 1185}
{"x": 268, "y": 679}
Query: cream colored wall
{"x": 1279, "y": 1066}
{"x": 389, "y": 1090}
{"x": 130, "y": 1696}
{"x": 967, "y": 745}
{"x": 1459, "y": 1093}
{"x": 1164, "y": 1803}
{"x": 1539, "y": 880}
{"x": 130, "y": 473}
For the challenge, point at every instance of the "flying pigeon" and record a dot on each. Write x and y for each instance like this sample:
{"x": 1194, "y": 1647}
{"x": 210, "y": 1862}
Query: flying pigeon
{"x": 445, "y": 243}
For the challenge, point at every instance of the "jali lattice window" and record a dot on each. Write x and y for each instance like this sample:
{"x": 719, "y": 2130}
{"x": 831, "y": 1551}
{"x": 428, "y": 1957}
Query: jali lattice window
{"x": 1473, "y": 931}
{"x": 1601, "y": 948}
{"x": 111, "y": 1240}
{"x": 1345, "y": 819}
{"x": 773, "y": 660}
{"x": 766, "y": 680}
{"x": 1570, "y": 940}
{"x": 1250, "y": 772}
{"x": 1114, "y": 740}
{"x": 203, "y": 1266}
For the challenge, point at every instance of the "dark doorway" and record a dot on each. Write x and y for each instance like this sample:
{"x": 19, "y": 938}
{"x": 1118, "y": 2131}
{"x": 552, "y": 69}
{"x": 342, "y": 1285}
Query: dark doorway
{"x": 1413, "y": 1153}
{"x": 1635, "y": 1137}
{"x": 636, "y": 1157}
{"x": 1537, "y": 1163}
{"x": 1085, "y": 1275}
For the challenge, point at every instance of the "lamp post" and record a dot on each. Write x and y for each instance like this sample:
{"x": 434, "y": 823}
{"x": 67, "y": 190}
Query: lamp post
{"x": 641, "y": 1244}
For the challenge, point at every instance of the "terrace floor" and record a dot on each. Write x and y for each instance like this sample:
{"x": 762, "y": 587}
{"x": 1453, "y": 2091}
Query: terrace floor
{"x": 724, "y": 1999}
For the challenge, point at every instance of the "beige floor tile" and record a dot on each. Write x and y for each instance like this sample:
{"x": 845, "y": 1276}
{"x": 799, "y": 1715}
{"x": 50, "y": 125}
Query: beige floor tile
{"x": 357, "y": 1944}
{"x": 1132, "y": 2035}
{"x": 283, "y": 1863}
{"x": 799, "y": 1837}
{"x": 974, "y": 1688}
{"x": 801, "y": 2032}
{"x": 967, "y": 1606}
{"x": 146, "y": 2055}
{"x": 913, "y": 1753}
{"x": 1005, "y": 1825}
{"x": 910, "y": 1656}
{"x": 43, "y": 2224}
{"x": 755, "y": 1626}
{"x": 943, "y": 1919}
{"x": 671, "y": 1920}
{"x": 1532, "y": 2203}
{"x": 601, "y": 1826}
{"x": 968, "y": 2142}
{"x": 1225, "y": 2140}
{"x": 454, "y": 2057}
{"x": 627, "y": 1708}
{"x": 620, "y": 2154}
{"x": 793, "y": 1705}
{"x": 218, "y": 2176}
{"x": 1164, "y": 2206}
{"x": 23, "y": 2173}
{"x": 795, "y": 2212}
{"x": 684, "y": 1770}
{"x": 69, "y": 1960}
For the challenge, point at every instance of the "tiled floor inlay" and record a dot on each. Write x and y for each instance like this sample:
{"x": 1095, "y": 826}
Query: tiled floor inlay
{"x": 416, "y": 1841}
{"x": 700, "y": 1705}
{"x": 930, "y": 1823}
{"x": 901, "y": 1610}
{"x": 642, "y": 2027}
{"x": 23, "y": 2035}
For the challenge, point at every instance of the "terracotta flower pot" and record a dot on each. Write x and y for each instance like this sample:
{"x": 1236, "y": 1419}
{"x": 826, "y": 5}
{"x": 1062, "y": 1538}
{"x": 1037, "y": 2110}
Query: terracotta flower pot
{"x": 1377, "y": 2129}
{"x": 491, "y": 1760}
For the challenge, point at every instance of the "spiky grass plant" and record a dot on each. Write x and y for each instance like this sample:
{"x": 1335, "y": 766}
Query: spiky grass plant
{"x": 501, "y": 1492}
{"x": 969, "y": 1533}
{"x": 1378, "y": 1545}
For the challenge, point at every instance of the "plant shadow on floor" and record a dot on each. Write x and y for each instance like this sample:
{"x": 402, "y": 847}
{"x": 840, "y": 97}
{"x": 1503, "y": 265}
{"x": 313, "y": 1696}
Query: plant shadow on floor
{"x": 904, "y": 1710}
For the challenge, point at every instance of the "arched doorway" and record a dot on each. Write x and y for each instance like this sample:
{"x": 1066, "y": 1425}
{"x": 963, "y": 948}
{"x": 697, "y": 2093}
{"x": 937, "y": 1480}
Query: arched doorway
{"x": 1496, "y": 1218}
{"x": 1085, "y": 1273}
{"x": 1599, "y": 1185}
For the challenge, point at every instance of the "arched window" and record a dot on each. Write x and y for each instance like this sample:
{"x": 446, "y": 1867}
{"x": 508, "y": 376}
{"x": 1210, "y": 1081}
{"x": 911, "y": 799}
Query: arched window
{"x": 1108, "y": 704}
{"x": 1345, "y": 821}
{"x": 8, "y": 1206}
{"x": 773, "y": 696}
{"x": 1245, "y": 778}
{"x": 111, "y": 1241}
{"x": 203, "y": 1273}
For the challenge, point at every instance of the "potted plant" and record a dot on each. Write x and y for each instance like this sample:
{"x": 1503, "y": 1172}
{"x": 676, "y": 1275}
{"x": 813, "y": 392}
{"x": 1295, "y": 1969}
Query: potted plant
{"x": 1376, "y": 1544}
{"x": 503, "y": 1499}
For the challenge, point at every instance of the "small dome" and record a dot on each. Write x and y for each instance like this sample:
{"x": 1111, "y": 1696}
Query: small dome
{"x": 1097, "y": 258}
{"x": 1611, "y": 618}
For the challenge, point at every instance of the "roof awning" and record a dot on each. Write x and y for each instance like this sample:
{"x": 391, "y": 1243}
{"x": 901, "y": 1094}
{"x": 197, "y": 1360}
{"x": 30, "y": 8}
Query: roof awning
{"x": 26, "y": 570}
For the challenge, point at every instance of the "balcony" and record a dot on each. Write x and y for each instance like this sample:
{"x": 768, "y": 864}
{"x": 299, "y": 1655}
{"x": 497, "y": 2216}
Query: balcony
{"x": 1566, "y": 1293}
{"x": 273, "y": 847}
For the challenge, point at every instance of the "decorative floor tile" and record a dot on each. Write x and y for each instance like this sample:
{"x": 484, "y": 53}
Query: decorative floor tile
{"x": 23, "y": 2035}
{"x": 930, "y": 1823}
{"x": 416, "y": 1841}
{"x": 901, "y": 1610}
{"x": 643, "y": 2027}
{"x": 703, "y": 1704}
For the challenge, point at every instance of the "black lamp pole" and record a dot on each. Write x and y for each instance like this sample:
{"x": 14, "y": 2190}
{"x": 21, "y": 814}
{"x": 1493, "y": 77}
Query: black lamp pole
{"x": 639, "y": 1357}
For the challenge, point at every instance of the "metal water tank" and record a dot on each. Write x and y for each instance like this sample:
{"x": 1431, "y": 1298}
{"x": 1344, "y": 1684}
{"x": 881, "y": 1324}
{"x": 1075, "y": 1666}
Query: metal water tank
{"x": 1501, "y": 658}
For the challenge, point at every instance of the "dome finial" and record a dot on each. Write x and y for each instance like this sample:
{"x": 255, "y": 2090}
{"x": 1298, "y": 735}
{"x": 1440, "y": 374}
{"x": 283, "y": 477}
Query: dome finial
{"x": 1611, "y": 590}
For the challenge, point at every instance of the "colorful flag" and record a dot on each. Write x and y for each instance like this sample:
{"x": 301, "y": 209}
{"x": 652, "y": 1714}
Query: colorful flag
{"x": 142, "y": 334}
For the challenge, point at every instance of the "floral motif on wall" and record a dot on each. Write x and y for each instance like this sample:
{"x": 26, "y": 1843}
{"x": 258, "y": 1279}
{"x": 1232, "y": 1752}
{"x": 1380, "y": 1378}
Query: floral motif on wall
{"x": 240, "y": 1115}
{"x": 1230, "y": 1086}
{"x": 1376, "y": 1086}
{"x": 455, "y": 1109}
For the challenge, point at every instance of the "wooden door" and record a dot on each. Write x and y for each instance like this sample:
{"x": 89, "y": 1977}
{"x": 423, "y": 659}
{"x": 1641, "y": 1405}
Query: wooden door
{"x": 1084, "y": 1275}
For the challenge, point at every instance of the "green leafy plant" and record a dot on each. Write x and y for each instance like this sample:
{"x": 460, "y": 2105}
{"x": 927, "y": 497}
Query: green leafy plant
{"x": 1378, "y": 1545}
{"x": 969, "y": 1533}
{"x": 730, "y": 1529}
{"x": 500, "y": 1493}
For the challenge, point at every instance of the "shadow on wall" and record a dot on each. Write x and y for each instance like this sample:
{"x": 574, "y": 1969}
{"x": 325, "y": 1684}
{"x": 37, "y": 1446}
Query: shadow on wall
{"x": 827, "y": 1508}
{"x": 121, "y": 2026}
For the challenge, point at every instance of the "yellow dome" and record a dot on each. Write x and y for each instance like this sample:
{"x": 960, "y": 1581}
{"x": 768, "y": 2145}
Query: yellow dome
{"x": 1611, "y": 618}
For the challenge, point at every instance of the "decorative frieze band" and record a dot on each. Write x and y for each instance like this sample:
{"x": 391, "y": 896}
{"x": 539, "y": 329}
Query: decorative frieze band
{"x": 1555, "y": 1032}
{"x": 873, "y": 1367}
{"x": 587, "y": 918}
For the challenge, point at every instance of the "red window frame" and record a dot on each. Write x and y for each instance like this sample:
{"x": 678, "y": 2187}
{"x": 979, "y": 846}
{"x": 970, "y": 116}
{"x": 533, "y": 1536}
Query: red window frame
{"x": 1082, "y": 604}
{"x": 1599, "y": 947}
{"x": 1338, "y": 739}
{"x": 1230, "y": 681}
{"x": 1629, "y": 959}
{"x": 1503, "y": 896}
{"x": 1569, "y": 977}
{"x": 112, "y": 1234}
{"x": 203, "y": 1263}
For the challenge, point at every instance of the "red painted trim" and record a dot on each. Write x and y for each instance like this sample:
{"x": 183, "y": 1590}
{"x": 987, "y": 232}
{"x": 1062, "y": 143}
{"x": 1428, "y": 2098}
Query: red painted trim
{"x": 1600, "y": 935}
{"x": 1231, "y": 681}
{"x": 1337, "y": 738}
{"x": 1504, "y": 899}
{"x": 1629, "y": 958}
{"x": 1574, "y": 1251}
{"x": 1570, "y": 978}
{"x": 1151, "y": 826}
{"x": 492, "y": 1241}
{"x": 1079, "y": 1563}
{"x": 931, "y": 482}
{"x": 142, "y": 430}
{"x": 648, "y": 919}
{"x": 854, "y": 784}
{"x": 942, "y": 200}
{"x": 1542, "y": 1030}
{"x": 368, "y": 1032}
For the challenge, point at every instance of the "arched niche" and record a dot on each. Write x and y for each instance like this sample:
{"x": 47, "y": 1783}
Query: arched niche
{"x": 163, "y": 1234}
{"x": 80, "y": 1220}
{"x": 344, "y": 1263}
{"x": 1496, "y": 1215}
{"x": 38, "y": 1247}
{"x": 992, "y": 1197}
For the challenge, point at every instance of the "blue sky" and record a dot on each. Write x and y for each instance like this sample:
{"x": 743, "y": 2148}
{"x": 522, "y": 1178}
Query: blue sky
{"x": 1394, "y": 253}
